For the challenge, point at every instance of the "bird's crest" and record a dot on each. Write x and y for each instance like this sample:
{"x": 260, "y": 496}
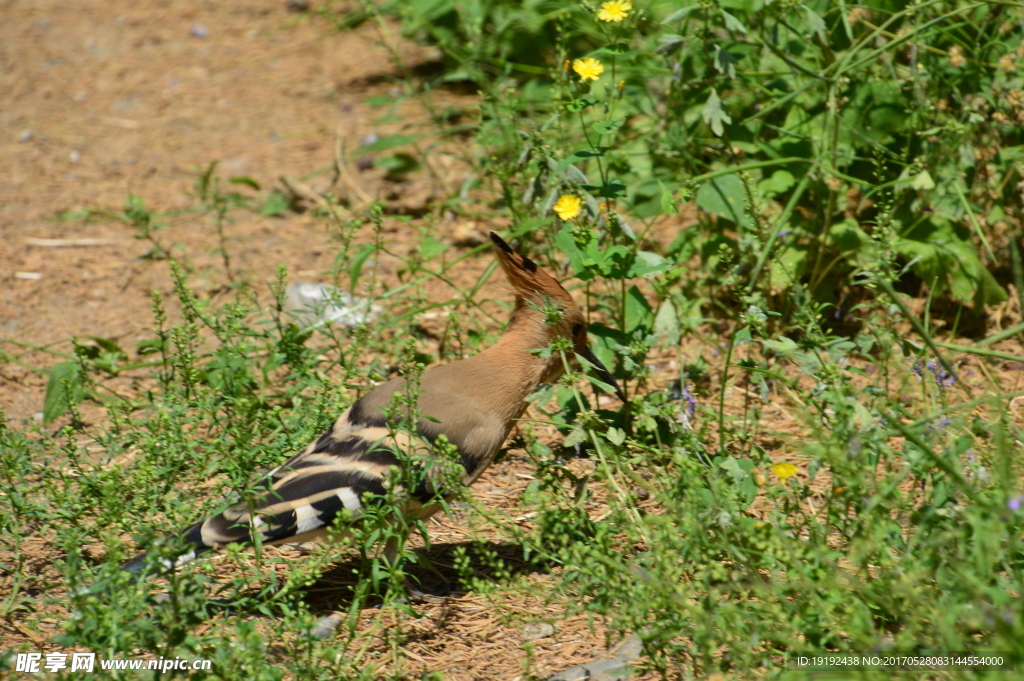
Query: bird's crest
{"x": 527, "y": 279}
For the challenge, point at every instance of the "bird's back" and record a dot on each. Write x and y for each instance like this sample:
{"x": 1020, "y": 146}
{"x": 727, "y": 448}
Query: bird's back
{"x": 299, "y": 500}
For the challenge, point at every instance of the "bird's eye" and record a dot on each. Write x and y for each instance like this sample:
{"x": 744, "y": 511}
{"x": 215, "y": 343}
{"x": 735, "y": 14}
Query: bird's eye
{"x": 576, "y": 328}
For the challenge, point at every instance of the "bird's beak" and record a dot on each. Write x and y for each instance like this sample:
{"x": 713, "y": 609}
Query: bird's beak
{"x": 602, "y": 372}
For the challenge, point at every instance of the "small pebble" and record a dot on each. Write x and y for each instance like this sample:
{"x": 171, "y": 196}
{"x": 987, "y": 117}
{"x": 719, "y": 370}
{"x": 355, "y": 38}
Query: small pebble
{"x": 75, "y": 156}
{"x": 325, "y": 627}
{"x": 365, "y": 163}
{"x": 369, "y": 139}
{"x": 535, "y": 630}
{"x": 297, "y": 5}
{"x": 25, "y": 135}
{"x": 198, "y": 31}
{"x": 466, "y": 234}
{"x": 640, "y": 493}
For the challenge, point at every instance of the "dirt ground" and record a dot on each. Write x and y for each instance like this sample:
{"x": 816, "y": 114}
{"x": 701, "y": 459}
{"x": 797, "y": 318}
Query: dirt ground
{"x": 100, "y": 100}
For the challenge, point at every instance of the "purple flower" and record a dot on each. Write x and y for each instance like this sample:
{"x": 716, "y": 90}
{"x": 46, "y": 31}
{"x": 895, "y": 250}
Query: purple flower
{"x": 943, "y": 378}
{"x": 690, "y": 399}
{"x": 783, "y": 232}
{"x": 1015, "y": 503}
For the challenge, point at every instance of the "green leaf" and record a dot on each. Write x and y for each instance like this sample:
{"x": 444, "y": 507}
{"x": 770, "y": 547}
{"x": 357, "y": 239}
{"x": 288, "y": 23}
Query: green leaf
{"x": 742, "y": 5}
{"x": 849, "y": 237}
{"x": 398, "y": 165}
{"x": 599, "y": 384}
{"x": 638, "y": 311}
{"x": 732, "y": 23}
{"x": 666, "y": 323}
{"x": 69, "y": 215}
{"x": 725, "y": 62}
{"x": 245, "y": 180}
{"x": 105, "y": 354}
{"x": 667, "y": 200}
{"x": 603, "y": 340}
{"x": 542, "y": 395}
{"x": 713, "y": 114}
{"x": 55, "y": 402}
{"x": 589, "y": 153}
{"x": 276, "y": 205}
{"x": 731, "y": 466}
{"x": 580, "y": 104}
{"x": 790, "y": 263}
{"x": 679, "y": 14}
{"x": 611, "y": 189}
{"x": 614, "y": 48}
{"x": 923, "y": 180}
{"x": 816, "y": 24}
{"x": 109, "y": 346}
{"x": 779, "y": 182}
{"x": 581, "y": 154}
{"x": 725, "y": 197}
{"x": 669, "y": 44}
{"x": 431, "y": 247}
{"x": 356, "y": 268}
{"x": 150, "y": 346}
{"x": 941, "y": 258}
{"x": 574, "y": 174}
{"x": 616, "y": 436}
{"x": 606, "y": 127}
{"x": 783, "y": 347}
{"x": 577, "y": 259}
{"x": 576, "y": 436}
{"x": 646, "y": 263}
{"x": 389, "y": 142}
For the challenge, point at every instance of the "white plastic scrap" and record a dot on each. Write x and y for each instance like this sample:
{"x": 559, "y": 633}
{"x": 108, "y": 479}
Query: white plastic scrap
{"x": 314, "y": 304}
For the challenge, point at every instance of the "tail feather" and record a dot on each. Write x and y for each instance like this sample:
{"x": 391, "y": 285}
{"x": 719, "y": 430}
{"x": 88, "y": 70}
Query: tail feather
{"x": 304, "y": 498}
{"x": 194, "y": 547}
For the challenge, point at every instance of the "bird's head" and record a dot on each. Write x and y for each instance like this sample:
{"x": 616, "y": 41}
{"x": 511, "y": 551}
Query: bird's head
{"x": 541, "y": 302}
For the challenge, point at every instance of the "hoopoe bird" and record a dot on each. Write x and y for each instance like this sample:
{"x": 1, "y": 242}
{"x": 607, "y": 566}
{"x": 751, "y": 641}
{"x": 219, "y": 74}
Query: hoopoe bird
{"x": 474, "y": 403}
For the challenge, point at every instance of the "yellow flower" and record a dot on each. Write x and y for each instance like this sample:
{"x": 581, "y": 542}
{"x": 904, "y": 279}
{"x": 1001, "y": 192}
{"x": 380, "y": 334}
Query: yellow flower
{"x": 784, "y": 471}
{"x": 614, "y": 10}
{"x": 568, "y": 206}
{"x": 588, "y": 69}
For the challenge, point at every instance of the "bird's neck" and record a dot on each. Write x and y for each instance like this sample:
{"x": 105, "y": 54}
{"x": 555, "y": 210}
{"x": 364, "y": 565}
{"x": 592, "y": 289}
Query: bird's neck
{"x": 522, "y": 370}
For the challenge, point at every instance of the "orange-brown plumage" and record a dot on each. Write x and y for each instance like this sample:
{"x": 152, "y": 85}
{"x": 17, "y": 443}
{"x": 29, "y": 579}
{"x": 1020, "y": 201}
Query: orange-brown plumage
{"x": 474, "y": 402}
